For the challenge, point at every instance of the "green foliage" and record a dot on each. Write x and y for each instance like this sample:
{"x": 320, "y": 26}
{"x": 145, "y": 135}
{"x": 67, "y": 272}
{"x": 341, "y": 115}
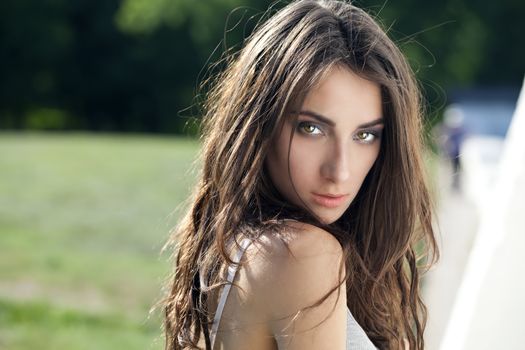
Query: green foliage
{"x": 136, "y": 65}
{"x": 46, "y": 119}
{"x": 141, "y": 16}
{"x": 204, "y": 19}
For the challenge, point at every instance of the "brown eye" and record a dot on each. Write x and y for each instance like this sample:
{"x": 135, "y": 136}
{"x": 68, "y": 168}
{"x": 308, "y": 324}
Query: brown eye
{"x": 365, "y": 136}
{"x": 308, "y": 128}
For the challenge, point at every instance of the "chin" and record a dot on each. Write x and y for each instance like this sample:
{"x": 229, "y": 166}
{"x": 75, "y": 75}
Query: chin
{"x": 329, "y": 219}
{"x": 329, "y": 216}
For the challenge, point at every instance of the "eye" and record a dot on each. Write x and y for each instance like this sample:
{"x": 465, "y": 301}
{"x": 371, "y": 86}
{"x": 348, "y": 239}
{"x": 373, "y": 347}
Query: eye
{"x": 308, "y": 128}
{"x": 366, "y": 136}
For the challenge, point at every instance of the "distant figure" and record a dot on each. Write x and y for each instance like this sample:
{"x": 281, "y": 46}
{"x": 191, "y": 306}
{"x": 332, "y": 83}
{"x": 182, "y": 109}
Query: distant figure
{"x": 453, "y": 133}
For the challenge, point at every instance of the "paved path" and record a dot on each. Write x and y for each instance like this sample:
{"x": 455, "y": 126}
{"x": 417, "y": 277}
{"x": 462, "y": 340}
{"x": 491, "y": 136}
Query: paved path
{"x": 456, "y": 226}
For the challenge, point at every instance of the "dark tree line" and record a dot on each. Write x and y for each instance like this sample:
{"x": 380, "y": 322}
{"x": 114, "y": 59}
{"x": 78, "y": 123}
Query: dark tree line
{"x": 135, "y": 65}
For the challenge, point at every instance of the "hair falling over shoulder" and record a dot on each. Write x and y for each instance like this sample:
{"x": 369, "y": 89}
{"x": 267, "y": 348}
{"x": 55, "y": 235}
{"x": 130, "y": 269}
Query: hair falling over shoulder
{"x": 391, "y": 215}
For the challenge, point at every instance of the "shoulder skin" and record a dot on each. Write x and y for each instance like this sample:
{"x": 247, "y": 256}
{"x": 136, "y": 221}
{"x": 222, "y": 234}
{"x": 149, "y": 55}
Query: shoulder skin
{"x": 279, "y": 281}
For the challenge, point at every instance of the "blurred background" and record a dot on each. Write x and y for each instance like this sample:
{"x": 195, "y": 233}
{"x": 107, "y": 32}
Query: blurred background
{"x": 99, "y": 113}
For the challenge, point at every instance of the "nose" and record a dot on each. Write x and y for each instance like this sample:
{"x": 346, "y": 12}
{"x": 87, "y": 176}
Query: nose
{"x": 336, "y": 167}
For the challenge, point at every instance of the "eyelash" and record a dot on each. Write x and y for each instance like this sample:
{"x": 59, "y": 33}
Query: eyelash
{"x": 372, "y": 132}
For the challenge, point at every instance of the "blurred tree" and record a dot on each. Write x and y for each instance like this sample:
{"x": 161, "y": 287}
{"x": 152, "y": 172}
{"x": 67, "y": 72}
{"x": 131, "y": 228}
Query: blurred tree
{"x": 135, "y": 65}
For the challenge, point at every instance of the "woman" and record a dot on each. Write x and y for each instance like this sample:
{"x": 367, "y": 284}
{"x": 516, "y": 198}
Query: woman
{"x": 313, "y": 182}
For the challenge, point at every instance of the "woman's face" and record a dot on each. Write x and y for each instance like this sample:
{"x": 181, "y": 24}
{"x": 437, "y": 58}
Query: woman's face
{"x": 336, "y": 141}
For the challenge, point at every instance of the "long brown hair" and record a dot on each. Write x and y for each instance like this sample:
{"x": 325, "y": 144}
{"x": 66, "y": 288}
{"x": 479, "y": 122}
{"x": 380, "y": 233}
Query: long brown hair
{"x": 391, "y": 215}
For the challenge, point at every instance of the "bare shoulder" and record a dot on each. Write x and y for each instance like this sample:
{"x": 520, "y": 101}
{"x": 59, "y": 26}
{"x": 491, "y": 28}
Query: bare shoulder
{"x": 303, "y": 256}
{"x": 307, "y": 240}
{"x": 292, "y": 272}
{"x": 297, "y": 241}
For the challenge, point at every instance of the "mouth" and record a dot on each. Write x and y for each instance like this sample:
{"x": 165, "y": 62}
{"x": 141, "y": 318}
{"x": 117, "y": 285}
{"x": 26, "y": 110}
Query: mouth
{"x": 329, "y": 200}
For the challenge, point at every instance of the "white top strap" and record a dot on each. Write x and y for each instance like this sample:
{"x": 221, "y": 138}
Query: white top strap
{"x": 232, "y": 269}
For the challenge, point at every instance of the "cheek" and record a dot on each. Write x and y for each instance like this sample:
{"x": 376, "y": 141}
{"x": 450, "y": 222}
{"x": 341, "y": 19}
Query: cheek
{"x": 277, "y": 165}
{"x": 366, "y": 161}
{"x": 276, "y": 168}
{"x": 303, "y": 165}
{"x": 303, "y": 160}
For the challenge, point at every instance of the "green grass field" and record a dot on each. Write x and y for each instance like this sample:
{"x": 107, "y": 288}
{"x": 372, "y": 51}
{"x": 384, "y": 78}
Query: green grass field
{"x": 83, "y": 218}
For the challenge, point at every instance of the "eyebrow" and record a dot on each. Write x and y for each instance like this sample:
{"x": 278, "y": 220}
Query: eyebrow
{"x": 332, "y": 124}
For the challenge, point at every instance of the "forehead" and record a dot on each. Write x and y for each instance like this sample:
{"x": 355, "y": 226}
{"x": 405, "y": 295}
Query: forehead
{"x": 343, "y": 96}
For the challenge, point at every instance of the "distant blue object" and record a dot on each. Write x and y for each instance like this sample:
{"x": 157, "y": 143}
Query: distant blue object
{"x": 474, "y": 118}
{"x": 485, "y": 111}
{"x": 486, "y": 118}
{"x": 480, "y": 119}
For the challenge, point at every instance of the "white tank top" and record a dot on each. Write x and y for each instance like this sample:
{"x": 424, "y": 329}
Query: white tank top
{"x": 356, "y": 338}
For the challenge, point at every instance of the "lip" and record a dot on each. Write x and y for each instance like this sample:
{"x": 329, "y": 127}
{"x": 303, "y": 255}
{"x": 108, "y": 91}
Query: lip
{"x": 329, "y": 200}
